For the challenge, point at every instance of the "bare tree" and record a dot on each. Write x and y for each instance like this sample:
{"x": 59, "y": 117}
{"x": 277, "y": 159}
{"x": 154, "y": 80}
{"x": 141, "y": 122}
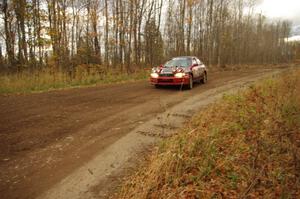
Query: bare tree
{"x": 136, "y": 33}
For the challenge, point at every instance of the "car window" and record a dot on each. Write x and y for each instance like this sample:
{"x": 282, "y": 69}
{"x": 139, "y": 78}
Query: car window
{"x": 179, "y": 62}
{"x": 199, "y": 62}
{"x": 194, "y": 61}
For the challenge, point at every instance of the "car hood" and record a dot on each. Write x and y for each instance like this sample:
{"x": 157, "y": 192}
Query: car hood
{"x": 167, "y": 70}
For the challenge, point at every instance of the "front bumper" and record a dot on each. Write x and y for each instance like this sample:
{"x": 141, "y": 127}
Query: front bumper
{"x": 170, "y": 81}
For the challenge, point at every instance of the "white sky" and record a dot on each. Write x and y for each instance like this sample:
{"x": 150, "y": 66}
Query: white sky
{"x": 287, "y": 9}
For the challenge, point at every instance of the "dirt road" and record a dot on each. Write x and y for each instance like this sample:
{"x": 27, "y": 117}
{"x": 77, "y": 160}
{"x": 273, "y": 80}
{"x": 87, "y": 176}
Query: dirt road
{"x": 44, "y": 137}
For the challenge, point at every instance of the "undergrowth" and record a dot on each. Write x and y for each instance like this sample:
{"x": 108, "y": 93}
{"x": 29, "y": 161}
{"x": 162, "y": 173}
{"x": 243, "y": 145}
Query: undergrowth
{"x": 244, "y": 146}
{"x": 46, "y": 80}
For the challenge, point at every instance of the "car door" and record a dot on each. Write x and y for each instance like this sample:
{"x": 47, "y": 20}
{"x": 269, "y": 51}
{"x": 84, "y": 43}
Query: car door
{"x": 201, "y": 68}
{"x": 196, "y": 68}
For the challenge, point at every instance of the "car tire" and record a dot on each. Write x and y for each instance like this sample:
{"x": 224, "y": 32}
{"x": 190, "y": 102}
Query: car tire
{"x": 157, "y": 86}
{"x": 204, "y": 80}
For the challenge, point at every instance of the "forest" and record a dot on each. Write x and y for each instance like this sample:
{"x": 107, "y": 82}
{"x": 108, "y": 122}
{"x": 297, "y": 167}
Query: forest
{"x": 127, "y": 35}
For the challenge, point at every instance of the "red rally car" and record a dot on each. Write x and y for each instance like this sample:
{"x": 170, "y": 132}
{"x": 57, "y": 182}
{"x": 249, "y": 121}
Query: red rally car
{"x": 182, "y": 71}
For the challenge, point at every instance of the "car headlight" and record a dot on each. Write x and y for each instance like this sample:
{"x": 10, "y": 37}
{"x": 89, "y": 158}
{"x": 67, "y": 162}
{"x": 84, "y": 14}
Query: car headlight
{"x": 179, "y": 75}
{"x": 155, "y": 70}
{"x": 154, "y": 75}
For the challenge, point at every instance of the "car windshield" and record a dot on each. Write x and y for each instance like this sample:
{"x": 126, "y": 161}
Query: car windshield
{"x": 179, "y": 62}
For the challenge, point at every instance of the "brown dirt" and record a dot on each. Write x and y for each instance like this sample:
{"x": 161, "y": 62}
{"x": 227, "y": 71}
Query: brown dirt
{"x": 46, "y": 136}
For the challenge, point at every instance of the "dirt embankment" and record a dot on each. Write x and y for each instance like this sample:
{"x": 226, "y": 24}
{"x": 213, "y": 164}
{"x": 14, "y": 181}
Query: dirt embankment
{"x": 45, "y": 137}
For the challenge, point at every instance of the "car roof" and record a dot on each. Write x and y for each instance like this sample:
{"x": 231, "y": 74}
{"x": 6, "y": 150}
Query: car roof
{"x": 184, "y": 57}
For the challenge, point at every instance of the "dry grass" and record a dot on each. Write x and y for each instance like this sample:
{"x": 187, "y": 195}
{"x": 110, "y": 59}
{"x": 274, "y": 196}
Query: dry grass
{"x": 87, "y": 75}
{"x": 245, "y": 146}
{"x": 47, "y": 80}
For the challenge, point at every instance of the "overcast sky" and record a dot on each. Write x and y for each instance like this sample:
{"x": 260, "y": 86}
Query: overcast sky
{"x": 287, "y": 9}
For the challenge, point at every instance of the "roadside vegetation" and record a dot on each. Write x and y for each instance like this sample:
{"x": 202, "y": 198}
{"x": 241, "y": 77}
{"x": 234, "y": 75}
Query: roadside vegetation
{"x": 244, "y": 146}
{"x": 46, "y": 80}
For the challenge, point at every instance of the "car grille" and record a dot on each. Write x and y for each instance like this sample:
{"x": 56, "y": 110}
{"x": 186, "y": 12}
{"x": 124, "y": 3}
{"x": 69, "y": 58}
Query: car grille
{"x": 166, "y": 75}
{"x": 165, "y": 80}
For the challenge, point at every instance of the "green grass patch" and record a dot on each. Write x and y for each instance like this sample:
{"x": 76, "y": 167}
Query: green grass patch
{"x": 245, "y": 146}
